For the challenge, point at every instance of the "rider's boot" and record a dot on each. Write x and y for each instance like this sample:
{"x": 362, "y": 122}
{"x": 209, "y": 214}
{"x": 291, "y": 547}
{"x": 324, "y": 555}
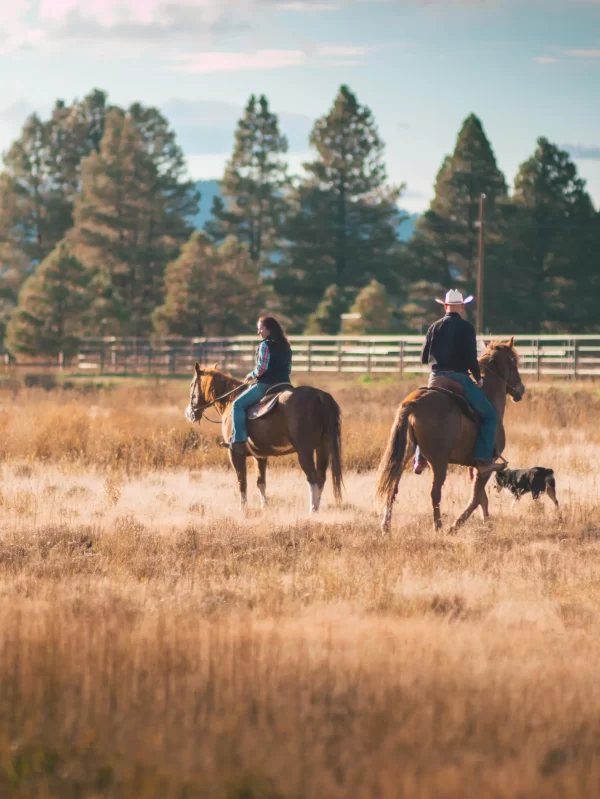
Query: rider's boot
{"x": 239, "y": 447}
{"x": 485, "y": 466}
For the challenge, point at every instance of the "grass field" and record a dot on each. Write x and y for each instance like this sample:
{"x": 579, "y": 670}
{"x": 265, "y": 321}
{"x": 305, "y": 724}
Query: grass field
{"x": 155, "y": 644}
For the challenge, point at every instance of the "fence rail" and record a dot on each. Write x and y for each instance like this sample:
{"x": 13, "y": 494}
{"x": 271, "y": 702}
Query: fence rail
{"x": 557, "y": 356}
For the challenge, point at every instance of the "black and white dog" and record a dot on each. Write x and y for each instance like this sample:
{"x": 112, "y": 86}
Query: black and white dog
{"x": 534, "y": 481}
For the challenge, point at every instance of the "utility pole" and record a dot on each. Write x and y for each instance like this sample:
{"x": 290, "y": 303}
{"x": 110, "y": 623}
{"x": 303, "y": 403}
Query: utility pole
{"x": 479, "y": 320}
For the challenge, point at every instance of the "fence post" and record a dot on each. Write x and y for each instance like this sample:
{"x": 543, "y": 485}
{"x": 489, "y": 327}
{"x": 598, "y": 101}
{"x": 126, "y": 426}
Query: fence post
{"x": 340, "y": 360}
{"x": 575, "y": 356}
{"x": 369, "y": 345}
{"x": 61, "y": 361}
{"x": 401, "y": 360}
{"x": 171, "y": 360}
{"x": 537, "y": 359}
{"x": 308, "y": 357}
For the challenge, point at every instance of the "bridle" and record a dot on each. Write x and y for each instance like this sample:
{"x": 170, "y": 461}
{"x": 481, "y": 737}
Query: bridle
{"x": 202, "y": 408}
{"x": 517, "y": 389}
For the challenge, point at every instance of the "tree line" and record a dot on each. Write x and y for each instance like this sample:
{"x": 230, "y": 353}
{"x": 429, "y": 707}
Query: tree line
{"x": 96, "y": 235}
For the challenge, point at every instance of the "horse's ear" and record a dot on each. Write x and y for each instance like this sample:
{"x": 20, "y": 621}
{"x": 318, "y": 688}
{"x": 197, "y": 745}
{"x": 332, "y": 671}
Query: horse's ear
{"x": 216, "y": 364}
{"x": 197, "y": 369}
{"x": 486, "y": 344}
{"x": 511, "y": 342}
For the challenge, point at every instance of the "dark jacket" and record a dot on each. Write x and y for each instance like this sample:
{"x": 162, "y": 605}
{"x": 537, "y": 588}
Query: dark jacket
{"x": 451, "y": 346}
{"x": 280, "y": 364}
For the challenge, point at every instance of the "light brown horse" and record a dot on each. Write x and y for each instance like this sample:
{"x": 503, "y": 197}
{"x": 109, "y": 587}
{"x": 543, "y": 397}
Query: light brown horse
{"x": 306, "y": 421}
{"x": 435, "y": 422}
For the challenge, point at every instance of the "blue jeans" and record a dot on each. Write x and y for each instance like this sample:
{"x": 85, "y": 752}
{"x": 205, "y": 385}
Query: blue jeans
{"x": 486, "y": 440}
{"x": 250, "y": 397}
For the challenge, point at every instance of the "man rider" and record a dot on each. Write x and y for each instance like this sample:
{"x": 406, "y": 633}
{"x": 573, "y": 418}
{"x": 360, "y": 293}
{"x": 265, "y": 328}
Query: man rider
{"x": 451, "y": 351}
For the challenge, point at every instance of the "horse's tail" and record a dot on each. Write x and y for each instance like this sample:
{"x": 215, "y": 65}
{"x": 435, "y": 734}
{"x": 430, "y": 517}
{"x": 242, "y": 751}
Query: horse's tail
{"x": 392, "y": 463}
{"x": 332, "y": 433}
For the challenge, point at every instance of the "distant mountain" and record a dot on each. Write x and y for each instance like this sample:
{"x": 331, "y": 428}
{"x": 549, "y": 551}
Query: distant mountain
{"x": 209, "y": 189}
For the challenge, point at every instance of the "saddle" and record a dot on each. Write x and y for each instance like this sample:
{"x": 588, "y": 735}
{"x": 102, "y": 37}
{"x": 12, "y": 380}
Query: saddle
{"x": 445, "y": 385}
{"x": 269, "y": 401}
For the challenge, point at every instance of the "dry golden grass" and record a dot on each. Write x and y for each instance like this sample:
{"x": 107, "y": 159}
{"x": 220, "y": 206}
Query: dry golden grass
{"x": 155, "y": 644}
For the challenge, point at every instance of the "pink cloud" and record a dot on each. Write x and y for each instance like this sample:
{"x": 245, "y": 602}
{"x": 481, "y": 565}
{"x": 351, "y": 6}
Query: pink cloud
{"x": 542, "y": 59}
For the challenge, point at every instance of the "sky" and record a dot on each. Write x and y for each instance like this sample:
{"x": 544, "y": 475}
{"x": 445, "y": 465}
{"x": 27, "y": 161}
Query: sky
{"x": 527, "y": 68}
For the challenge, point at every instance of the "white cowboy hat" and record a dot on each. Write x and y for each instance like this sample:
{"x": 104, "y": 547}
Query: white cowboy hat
{"x": 454, "y": 297}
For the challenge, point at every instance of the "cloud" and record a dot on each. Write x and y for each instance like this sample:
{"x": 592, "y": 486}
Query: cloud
{"x": 141, "y": 22}
{"x": 584, "y": 53}
{"x": 199, "y": 63}
{"x": 581, "y": 151}
{"x": 543, "y": 59}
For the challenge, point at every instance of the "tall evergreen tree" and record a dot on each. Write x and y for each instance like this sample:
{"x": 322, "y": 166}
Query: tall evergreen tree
{"x": 555, "y": 246}
{"x": 42, "y": 172}
{"x": 326, "y": 320}
{"x": 48, "y": 318}
{"x": 444, "y": 248}
{"x": 254, "y": 183}
{"x": 374, "y": 310}
{"x": 210, "y": 290}
{"x": 15, "y": 265}
{"x": 342, "y": 229}
{"x": 128, "y": 226}
{"x": 37, "y": 188}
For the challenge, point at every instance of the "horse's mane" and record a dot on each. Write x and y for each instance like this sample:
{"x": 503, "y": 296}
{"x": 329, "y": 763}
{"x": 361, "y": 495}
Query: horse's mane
{"x": 215, "y": 384}
{"x": 495, "y": 348}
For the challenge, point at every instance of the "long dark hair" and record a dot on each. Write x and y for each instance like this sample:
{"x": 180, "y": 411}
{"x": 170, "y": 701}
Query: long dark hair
{"x": 276, "y": 332}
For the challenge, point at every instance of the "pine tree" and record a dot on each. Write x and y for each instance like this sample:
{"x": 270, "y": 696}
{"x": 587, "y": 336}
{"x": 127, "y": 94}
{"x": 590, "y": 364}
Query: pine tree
{"x": 210, "y": 290}
{"x": 172, "y": 188}
{"x": 254, "y": 184}
{"x": 444, "y": 248}
{"x": 376, "y": 315}
{"x": 128, "y": 226}
{"x": 38, "y": 186}
{"x": 47, "y": 320}
{"x": 14, "y": 263}
{"x": 43, "y": 176}
{"x": 326, "y": 320}
{"x": 342, "y": 229}
{"x": 555, "y": 245}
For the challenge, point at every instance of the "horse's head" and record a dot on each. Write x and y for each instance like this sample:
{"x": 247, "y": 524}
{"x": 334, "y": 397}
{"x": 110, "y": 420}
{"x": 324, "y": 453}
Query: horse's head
{"x": 501, "y": 359}
{"x": 200, "y": 394}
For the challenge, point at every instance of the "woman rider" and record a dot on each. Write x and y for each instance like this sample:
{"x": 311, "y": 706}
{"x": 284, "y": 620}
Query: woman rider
{"x": 273, "y": 365}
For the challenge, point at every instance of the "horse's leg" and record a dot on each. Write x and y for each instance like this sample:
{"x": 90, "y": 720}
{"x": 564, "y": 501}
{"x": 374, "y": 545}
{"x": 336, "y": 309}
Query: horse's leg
{"x": 261, "y": 480}
{"x": 239, "y": 464}
{"x": 322, "y": 466}
{"x": 307, "y": 462}
{"x": 440, "y": 471}
{"x": 483, "y": 497}
{"x": 476, "y": 493}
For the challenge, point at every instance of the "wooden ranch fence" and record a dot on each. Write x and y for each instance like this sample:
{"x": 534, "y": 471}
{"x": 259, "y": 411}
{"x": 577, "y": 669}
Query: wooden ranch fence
{"x": 569, "y": 357}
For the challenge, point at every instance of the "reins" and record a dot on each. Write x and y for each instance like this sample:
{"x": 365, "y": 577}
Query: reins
{"x": 218, "y": 399}
{"x": 506, "y": 383}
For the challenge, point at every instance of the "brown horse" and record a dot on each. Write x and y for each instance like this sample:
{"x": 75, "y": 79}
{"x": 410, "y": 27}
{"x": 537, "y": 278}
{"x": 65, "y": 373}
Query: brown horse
{"x": 306, "y": 421}
{"x": 435, "y": 422}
